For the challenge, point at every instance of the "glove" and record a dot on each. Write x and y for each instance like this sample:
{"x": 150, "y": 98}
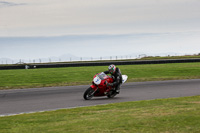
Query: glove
{"x": 109, "y": 84}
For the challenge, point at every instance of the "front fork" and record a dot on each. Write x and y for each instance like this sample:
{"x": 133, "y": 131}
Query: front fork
{"x": 95, "y": 88}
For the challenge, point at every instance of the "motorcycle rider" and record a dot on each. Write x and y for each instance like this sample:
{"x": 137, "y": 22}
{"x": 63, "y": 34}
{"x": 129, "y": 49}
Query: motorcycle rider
{"x": 116, "y": 75}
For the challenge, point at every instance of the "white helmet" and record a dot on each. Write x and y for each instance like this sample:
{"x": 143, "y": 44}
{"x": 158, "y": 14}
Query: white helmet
{"x": 112, "y": 68}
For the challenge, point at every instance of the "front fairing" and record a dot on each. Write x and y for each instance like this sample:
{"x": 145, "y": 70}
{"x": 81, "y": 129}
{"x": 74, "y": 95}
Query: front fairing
{"x": 102, "y": 87}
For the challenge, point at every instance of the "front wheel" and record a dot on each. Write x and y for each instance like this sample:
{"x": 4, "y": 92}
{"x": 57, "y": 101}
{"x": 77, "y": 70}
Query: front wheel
{"x": 89, "y": 93}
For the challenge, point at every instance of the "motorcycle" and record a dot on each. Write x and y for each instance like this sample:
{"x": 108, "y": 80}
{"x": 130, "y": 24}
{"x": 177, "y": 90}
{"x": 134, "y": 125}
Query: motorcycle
{"x": 99, "y": 86}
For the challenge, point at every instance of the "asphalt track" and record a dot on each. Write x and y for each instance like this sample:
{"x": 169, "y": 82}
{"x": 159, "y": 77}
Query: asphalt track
{"x": 52, "y": 98}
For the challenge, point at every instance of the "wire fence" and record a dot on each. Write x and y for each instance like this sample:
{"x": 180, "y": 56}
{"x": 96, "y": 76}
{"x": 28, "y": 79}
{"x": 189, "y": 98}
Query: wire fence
{"x": 69, "y": 59}
{"x": 103, "y": 63}
{"x": 5, "y": 61}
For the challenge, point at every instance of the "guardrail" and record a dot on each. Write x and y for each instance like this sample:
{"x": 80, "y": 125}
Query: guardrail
{"x": 31, "y": 66}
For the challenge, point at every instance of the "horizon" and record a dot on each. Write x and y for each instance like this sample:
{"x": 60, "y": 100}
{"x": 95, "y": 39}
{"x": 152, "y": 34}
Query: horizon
{"x": 72, "y": 58}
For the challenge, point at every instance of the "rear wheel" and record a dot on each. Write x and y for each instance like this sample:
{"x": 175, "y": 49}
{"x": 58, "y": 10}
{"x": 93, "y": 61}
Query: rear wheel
{"x": 112, "y": 94}
{"x": 88, "y": 94}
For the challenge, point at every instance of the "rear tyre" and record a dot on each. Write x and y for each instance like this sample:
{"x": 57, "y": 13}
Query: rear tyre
{"x": 112, "y": 94}
{"x": 88, "y": 94}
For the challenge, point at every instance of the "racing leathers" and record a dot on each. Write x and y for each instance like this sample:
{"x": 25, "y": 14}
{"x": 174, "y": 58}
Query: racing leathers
{"x": 117, "y": 77}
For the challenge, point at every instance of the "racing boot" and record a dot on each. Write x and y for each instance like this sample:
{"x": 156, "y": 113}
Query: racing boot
{"x": 117, "y": 89}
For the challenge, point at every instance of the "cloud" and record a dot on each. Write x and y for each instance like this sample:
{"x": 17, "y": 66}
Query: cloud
{"x": 64, "y": 17}
{"x": 7, "y": 4}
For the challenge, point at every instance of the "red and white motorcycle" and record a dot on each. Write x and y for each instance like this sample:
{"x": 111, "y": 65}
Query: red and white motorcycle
{"x": 99, "y": 86}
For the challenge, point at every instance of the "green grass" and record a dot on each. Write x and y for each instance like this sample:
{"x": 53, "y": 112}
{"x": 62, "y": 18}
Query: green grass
{"x": 180, "y": 115}
{"x": 12, "y": 79}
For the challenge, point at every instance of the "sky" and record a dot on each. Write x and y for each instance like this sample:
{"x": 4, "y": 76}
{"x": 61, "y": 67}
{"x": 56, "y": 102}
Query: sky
{"x": 31, "y": 29}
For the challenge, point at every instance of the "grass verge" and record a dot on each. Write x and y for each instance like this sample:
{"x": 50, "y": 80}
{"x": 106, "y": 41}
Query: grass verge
{"x": 180, "y": 115}
{"x": 14, "y": 79}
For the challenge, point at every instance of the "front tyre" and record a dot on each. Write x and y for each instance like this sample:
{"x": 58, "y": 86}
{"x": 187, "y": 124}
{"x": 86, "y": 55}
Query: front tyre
{"x": 89, "y": 93}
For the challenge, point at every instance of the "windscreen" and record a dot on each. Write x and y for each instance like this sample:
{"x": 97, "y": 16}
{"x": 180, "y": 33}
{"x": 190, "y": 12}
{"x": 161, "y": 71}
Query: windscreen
{"x": 102, "y": 76}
